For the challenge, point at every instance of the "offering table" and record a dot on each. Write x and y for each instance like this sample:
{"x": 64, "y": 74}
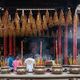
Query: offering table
{"x": 40, "y": 76}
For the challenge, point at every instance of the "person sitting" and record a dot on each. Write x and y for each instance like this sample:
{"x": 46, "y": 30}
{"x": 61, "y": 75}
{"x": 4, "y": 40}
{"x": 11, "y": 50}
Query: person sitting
{"x": 10, "y": 60}
{"x": 29, "y": 62}
{"x": 17, "y": 62}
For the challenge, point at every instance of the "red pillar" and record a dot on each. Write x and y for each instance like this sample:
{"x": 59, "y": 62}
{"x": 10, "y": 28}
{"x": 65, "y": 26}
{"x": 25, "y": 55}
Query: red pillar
{"x": 59, "y": 42}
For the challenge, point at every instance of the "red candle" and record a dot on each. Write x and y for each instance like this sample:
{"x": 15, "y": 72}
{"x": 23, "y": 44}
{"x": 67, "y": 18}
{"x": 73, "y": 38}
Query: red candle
{"x": 14, "y": 45}
{"x": 59, "y": 41}
{"x": 10, "y": 45}
{"x": 75, "y": 40}
{"x": 22, "y": 49}
{"x": 66, "y": 44}
{"x": 40, "y": 50}
{"x": 56, "y": 53}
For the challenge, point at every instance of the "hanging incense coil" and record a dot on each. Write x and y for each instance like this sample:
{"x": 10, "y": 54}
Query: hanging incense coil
{"x": 55, "y": 19}
{"x": 31, "y": 17}
{"x": 38, "y": 23}
{"x": 24, "y": 23}
{"x": 61, "y": 18}
{"x": 10, "y": 27}
{"x": 28, "y": 28}
{"x": 50, "y": 22}
{"x": 5, "y": 18}
{"x": 69, "y": 17}
{"x": 31, "y": 21}
{"x": 44, "y": 23}
{"x": 34, "y": 29}
{"x": 1, "y": 28}
{"x": 17, "y": 24}
{"x": 11, "y": 31}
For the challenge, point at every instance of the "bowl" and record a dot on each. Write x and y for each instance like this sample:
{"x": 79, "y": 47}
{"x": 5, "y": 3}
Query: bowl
{"x": 39, "y": 69}
{"x": 21, "y": 70}
{"x": 5, "y": 70}
{"x": 74, "y": 69}
{"x": 57, "y": 69}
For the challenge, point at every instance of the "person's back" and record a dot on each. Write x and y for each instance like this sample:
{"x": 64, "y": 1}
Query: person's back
{"x": 17, "y": 62}
{"x": 10, "y": 61}
{"x": 29, "y": 62}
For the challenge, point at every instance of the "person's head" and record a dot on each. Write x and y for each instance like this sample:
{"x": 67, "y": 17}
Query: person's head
{"x": 17, "y": 58}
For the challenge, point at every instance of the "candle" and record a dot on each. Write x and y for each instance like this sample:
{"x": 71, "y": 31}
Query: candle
{"x": 22, "y": 49}
{"x": 10, "y": 44}
{"x": 66, "y": 44}
{"x": 56, "y": 53}
{"x": 14, "y": 45}
{"x": 75, "y": 40}
{"x": 59, "y": 41}
{"x": 41, "y": 50}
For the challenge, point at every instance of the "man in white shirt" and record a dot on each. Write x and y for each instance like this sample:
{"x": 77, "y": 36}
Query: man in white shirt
{"x": 29, "y": 62}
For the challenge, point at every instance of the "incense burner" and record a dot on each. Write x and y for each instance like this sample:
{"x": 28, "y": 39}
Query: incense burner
{"x": 21, "y": 70}
{"x": 57, "y": 69}
{"x": 39, "y": 69}
{"x": 5, "y": 70}
{"x": 75, "y": 69}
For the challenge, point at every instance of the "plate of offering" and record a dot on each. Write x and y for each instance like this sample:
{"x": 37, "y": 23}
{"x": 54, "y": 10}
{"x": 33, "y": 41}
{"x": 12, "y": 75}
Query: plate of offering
{"x": 5, "y": 70}
{"x": 39, "y": 69}
{"x": 21, "y": 70}
{"x": 74, "y": 69}
{"x": 57, "y": 69}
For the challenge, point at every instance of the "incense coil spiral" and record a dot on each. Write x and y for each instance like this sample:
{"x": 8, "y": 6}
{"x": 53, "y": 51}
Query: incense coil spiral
{"x": 1, "y": 28}
{"x": 69, "y": 17}
{"x": 39, "y": 24}
{"x": 55, "y": 19}
{"x": 50, "y": 21}
{"x": 31, "y": 26}
{"x": 17, "y": 24}
{"x": 5, "y": 18}
{"x": 61, "y": 18}
{"x": 47, "y": 16}
{"x": 44, "y": 23}
{"x": 28, "y": 28}
{"x": 34, "y": 30}
{"x": 24, "y": 23}
{"x": 10, "y": 29}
